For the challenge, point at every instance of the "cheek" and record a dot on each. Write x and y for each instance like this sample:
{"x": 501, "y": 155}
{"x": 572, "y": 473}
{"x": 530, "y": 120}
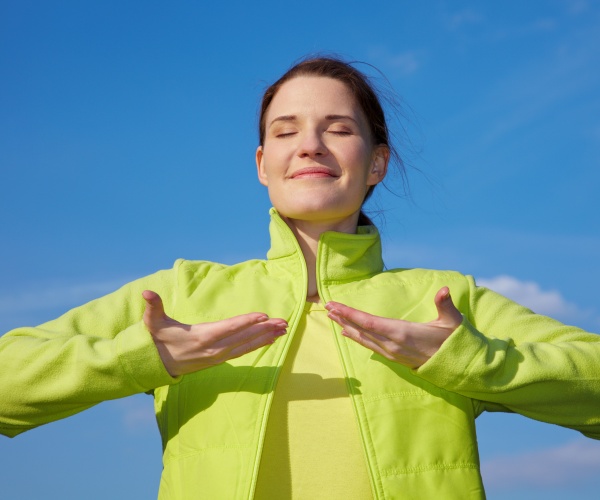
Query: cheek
{"x": 358, "y": 159}
{"x": 356, "y": 152}
{"x": 274, "y": 159}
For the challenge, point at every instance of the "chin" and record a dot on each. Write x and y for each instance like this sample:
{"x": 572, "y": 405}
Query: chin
{"x": 314, "y": 213}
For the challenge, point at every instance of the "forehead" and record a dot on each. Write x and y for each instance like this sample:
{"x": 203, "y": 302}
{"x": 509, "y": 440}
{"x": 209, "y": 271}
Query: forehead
{"x": 313, "y": 95}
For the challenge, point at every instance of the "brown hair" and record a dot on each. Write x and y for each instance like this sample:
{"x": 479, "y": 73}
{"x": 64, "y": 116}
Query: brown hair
{"x": 364, "y": 92}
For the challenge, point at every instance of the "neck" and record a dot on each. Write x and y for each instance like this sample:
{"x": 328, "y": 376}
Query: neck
{"x": 307, "y": 234}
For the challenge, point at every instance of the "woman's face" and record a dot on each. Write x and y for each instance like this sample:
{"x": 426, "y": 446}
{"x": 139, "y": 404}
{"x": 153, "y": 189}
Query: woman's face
{"x": 317, "y": 158}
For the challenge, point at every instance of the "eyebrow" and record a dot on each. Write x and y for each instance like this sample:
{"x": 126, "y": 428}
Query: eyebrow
{"x": 291, "y": 118}
{"x": 340, "y": 117}
{"x": 283, "y": 118}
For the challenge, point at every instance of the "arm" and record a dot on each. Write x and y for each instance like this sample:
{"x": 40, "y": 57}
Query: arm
{"x": 504, "y": 354}
{"x": 499, "y": 353}
{"x": 113, "y": 347}
{"x": 92, "y": 353}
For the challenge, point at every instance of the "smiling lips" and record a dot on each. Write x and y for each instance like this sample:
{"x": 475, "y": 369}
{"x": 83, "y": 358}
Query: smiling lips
{"x": 313, "y": 172}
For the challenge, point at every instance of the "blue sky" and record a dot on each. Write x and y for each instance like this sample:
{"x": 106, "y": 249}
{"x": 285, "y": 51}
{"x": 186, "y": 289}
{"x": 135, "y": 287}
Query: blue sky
{"x": 127, "y": 138}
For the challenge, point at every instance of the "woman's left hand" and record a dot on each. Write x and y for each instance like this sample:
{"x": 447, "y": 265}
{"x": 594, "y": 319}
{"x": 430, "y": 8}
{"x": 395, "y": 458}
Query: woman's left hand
{"x": 410, "y": 344}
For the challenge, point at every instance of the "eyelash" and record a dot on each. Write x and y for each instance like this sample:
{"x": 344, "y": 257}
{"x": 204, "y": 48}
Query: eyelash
{"x": 335, "y": 132}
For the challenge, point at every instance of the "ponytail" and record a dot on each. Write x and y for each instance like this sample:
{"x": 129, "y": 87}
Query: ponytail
{"x": 364, "y": 220}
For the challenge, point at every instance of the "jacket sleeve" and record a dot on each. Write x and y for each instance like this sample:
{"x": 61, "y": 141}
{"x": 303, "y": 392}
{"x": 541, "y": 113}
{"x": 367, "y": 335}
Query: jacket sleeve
{"x": 95, "y": 352}
{"x": 514, "y": 360}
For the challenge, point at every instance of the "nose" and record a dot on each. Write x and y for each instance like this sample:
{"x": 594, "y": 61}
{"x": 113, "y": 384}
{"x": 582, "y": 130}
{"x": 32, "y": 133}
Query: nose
{"x": 311, "y": 145}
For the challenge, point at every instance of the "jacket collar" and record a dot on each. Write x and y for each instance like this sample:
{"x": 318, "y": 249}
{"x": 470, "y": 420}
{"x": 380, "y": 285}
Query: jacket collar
{"x": 341, "y": 256}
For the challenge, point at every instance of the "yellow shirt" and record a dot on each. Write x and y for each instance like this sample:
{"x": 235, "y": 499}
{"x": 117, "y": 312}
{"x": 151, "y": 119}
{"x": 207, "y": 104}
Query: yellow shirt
{"x": 312, "y": 447}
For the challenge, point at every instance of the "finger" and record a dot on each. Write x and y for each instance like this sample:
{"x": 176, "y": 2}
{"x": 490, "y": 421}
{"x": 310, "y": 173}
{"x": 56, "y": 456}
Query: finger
{"x": 272, "y": 327}
{"x": 380, "y": 331}
{"x": 255, "y": 343}
{"x": 237, "y": 328}
{"x": 154, "y": 312}
{"x": 448, "y": 314}
{"x": 245, "y": 341}
{"x": 354, "y": 331}
{"x": 362, "y": 320}
{"x": 365, "y": 341}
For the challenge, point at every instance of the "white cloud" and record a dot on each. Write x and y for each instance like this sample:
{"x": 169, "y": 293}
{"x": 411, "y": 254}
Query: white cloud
{"x": 404, "y": 63}
{"x": 594, "y": 132}
{"x": 576, "y": 7}
{"x": 524, "y": 101}
{"x": 422, "y": 254}
{"x": 543, "y": 24}
{"x": 48, "y": 297}
{"x": 547, "y": 302}
{"x": 44, "y": 302}
{"x": 137, "y": 413}
{"x": 531, "y": 295}
{"x": 559, "y": 466}
{"x": 466, "y": 16}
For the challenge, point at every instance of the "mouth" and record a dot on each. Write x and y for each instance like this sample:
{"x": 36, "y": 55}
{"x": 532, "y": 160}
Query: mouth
{"x": 313, "y": 172}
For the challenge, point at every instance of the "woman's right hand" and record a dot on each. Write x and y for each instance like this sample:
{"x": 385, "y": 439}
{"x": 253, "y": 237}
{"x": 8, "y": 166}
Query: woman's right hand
{"x": 189, "y": 348}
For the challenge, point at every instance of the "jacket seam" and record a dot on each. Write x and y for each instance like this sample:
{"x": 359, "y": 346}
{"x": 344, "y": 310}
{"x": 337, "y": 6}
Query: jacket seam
{"x": 406, "y": 283}
{"x": 250, "y": 376}
{"x": 261, "y": 425}
{"x": 393, "y": 395}
{"x": 470, "y": 319}
{"x": 365, "y": 427}
{"x": 359, "y": 406}
{"x": 428, "y": 468}
{"x": 172, "y": 457}
{"x": 116, "y": 347}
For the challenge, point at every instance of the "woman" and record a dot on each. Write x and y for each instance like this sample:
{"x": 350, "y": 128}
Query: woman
{"x": 380, "y": 402}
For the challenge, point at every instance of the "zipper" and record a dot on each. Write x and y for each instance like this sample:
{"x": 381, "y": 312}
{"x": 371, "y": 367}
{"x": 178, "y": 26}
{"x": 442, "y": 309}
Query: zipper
{"x": 338, "y": 343}
{"x": 289, "y": 337}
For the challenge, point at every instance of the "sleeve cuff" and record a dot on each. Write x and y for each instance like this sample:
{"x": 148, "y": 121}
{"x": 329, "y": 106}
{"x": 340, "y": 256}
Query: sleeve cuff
{"x": 448, "y": 367}
{"x": 140, "y": 359}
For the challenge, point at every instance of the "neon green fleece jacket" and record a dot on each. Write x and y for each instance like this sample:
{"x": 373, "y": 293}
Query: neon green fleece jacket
{"x": 416, "y": 426}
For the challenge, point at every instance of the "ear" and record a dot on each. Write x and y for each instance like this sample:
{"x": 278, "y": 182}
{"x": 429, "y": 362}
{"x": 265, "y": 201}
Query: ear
{"x": 379, "y": 165}
{"x": 262, "y": 175}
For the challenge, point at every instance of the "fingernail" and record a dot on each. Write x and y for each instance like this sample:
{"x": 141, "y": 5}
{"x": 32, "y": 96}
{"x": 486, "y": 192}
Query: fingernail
{"x": 281, "y": 324}
{"x": 262, "y": 318}
{"x": 279, "y": 333}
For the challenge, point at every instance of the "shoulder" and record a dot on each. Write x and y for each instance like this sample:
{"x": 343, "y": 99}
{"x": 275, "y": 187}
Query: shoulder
{"x": 414, "y": 283}
{"x": 421, "y": 275}
{"x": 199, "y": 270}
{"x": 419, "y": 279}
